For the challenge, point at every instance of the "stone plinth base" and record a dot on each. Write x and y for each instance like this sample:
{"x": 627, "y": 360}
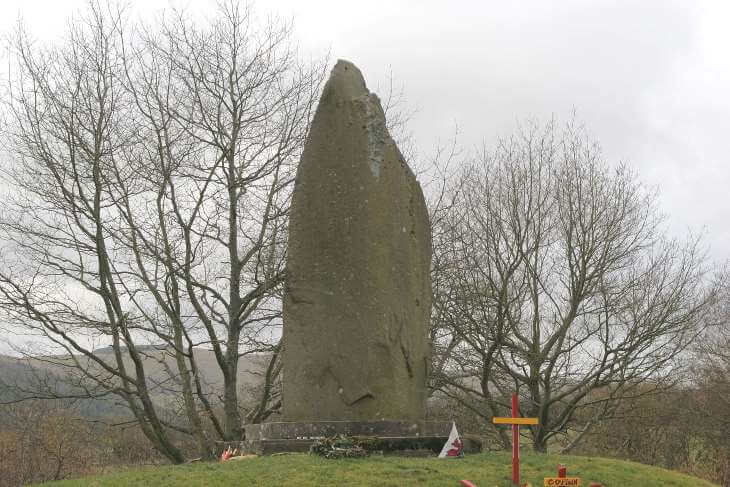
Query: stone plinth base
{"x": 390, "y": 437}
{"x": 324, "y": 429}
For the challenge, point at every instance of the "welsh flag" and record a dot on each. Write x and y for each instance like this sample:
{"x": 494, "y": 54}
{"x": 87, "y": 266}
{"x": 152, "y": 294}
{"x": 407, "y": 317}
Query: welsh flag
{"x": 454, "y": 447}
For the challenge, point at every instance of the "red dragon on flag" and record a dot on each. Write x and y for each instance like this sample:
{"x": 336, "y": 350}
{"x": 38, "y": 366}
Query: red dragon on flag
{"x": 454, "y": 446}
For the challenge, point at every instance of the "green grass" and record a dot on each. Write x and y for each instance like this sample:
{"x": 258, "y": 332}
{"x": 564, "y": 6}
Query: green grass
{"x": 485, "y": 470}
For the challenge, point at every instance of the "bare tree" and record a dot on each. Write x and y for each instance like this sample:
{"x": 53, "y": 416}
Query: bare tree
{"x": 226, "y": 109}
{"x": 41, "y": 441}
{"x": 713, "y": 351}
{"x": 558, "y": 282}
{"x": 151, "y": 169}
{"x": 710, "y": 415}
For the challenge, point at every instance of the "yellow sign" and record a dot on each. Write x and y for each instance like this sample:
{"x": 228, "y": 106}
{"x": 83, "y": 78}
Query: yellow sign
{"x": 560, "y": 482}
{"x": 499, "y": 420}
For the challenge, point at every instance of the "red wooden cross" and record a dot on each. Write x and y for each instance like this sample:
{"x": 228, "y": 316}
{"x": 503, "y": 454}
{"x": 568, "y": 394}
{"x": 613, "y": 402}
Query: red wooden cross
{"x": 515, "y": 421}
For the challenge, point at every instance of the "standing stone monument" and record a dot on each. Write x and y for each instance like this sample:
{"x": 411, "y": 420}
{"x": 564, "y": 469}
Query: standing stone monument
{"x": 358, "y": 291}
{"x": 358, "y": 294}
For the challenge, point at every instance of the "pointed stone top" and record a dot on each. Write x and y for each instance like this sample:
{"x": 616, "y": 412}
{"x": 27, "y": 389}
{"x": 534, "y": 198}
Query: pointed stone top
{"x": 346, "y": 82}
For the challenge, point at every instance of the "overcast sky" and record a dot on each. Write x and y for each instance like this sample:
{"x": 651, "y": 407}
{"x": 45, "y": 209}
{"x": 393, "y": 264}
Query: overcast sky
{"x": 648, "y": 78}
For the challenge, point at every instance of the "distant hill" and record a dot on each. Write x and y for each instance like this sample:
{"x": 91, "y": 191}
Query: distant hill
{"x": 19, "y": 375}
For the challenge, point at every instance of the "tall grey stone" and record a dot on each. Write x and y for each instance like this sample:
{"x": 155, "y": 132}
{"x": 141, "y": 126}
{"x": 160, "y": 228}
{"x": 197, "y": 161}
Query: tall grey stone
{"x": 358, "y": 293}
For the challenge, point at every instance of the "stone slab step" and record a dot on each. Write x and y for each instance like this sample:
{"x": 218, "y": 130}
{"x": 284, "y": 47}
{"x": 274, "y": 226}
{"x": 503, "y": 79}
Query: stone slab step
{"x": 320, "y": 429}
{"x": 408, "y": 445}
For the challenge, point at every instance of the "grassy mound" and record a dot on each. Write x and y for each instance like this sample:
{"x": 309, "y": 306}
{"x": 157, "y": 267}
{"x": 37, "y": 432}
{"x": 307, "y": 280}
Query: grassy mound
{"x": 485, "y": 470}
